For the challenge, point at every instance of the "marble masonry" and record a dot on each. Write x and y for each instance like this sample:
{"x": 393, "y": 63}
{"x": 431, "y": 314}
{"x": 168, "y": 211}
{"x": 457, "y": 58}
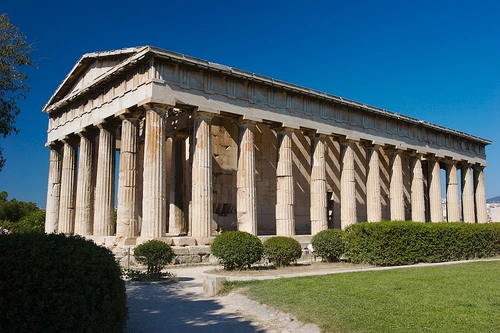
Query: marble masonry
{"x": 191, "y": 148}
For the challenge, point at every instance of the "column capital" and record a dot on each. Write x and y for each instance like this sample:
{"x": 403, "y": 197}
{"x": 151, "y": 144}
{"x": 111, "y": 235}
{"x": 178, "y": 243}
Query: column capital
{"x": 393, "y": 150}
{"x": 449, "y": 162}
{"x": 156, "y": 107}
{"x": 197, "y": 114}
{"x": 313, "y": 134}
{"x": 245, "y": 122}
{"x": 478, "y": 167}
{"x": 346, "y": 142}
{"x": 128, "y": 114}
{"x": 71, "y": 139}
{"x": 370, "y": 144}
{"x": 54, "y": 145}
{"x": 88, "y": 132}
{"x": 284, "y": 129}
{"x": 108, "y": 124}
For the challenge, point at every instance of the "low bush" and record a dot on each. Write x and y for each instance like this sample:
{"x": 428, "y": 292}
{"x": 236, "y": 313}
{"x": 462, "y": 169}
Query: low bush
{"x": 58, "y": 283}
{"x": 155, "y": 254}
{"x": 402, "y": 242}
{"x": 237, "y": 249}
{"x": 329, "y": 244}
{"x": 282, "y": 251}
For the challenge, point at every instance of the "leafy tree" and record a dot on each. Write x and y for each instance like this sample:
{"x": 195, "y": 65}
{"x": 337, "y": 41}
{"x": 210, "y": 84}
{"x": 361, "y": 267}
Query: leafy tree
{"x": 14, "y": 53}
{"x": 21, "y": 215}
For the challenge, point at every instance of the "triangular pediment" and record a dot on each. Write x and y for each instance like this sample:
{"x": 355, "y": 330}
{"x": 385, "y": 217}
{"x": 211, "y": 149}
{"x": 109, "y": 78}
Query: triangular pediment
{"x": 88, "y": 70}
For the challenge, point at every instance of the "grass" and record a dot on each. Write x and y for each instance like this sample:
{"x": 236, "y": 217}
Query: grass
{"x": 453, "y": 298}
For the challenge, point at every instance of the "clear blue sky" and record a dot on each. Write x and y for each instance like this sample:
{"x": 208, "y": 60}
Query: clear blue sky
{"x": 437, "y": 61}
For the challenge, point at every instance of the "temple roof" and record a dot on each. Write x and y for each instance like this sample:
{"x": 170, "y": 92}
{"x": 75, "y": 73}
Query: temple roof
{"x": 96, "y": 68}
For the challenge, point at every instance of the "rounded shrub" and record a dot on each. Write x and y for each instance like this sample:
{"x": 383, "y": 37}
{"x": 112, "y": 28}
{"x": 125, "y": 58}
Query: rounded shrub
{"x": 237, "y": 249}
{"x": 329, "y": 244}
{"x": 58, "y": 283}
{"x": 282, "y": 251}
{"x": 155, "y": 254}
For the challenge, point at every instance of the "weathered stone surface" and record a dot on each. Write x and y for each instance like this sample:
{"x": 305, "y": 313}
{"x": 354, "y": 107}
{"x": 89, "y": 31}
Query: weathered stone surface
{"x": 204, "y": 149}
{"x": 154, "y": 189}
{"x": 53, "y": 191}
{"x": 105, "y": 183}
{"x": 67, "y": 198}
{"x": 127, "y": 223}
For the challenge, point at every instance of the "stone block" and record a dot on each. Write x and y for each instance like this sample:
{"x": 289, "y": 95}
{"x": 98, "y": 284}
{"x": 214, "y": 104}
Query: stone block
{"x": 212, "y": 284}
{"x": 205, "y": 240}
{"x": 183, "y": 241}
{"x": 180, "y": 250}
{"x": 141, "y": 240}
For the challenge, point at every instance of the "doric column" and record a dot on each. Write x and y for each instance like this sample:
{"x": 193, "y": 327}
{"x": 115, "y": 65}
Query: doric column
{"x": 285, "y": 195}
{"x": 67, "y": 199}
{"x": 201, "y": 184}
{"x": 396, "y": 191}
{"x": 104, "y": 196}
{"x": 154, "y": 209}
{"x": 246, "y": 205}
{"x": 373, "y": 203}
{"x": 452, "y": 203}
{"x": 468, "y": 212}
{"x": 53, "y": 189}
{"x": 435, "y": 195}
{"x": 318, "y": 210}
{"x": 480, "y": 195}
{"x": 84, "y": 186}
{"x": 176, "y": 218}
{"x": 348, "y": 214}
{"x": 126, "y": 213}
{"x": 417, "y": 190}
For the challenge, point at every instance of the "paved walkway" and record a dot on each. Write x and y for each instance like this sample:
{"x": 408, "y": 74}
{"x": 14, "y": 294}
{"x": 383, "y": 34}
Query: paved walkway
{"x": 182, "y": 307}
{"x": 159, "y": 307}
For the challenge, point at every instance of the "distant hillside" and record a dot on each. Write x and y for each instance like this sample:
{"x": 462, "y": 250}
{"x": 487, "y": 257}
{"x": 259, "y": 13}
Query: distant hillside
{"x": 495, "y": 199}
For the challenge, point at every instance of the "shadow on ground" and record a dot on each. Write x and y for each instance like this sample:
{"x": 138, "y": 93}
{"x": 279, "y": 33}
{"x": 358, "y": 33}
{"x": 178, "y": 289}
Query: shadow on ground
{"x": 174, "y": 307}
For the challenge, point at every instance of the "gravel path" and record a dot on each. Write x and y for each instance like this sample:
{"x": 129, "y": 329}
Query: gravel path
{"x": 182, "y": 307}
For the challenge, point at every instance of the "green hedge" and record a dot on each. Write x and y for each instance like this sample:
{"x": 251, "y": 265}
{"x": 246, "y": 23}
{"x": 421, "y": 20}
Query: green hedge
{"x": 329, "y": 244}
{"x": 282, "y": 251}
{"x": 155, "y": 254}
{"x": 403, "y": 243}
{"x": 58, "y": 283}
{"x": 237, "y": 249}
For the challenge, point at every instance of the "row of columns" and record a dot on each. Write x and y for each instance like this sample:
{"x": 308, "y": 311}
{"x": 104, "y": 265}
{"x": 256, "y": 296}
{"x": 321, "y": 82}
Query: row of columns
{"x": 91, "y": 212}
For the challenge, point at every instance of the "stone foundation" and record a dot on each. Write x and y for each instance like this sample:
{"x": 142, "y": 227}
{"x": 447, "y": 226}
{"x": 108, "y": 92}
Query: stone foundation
{"x": 188, "y": 250}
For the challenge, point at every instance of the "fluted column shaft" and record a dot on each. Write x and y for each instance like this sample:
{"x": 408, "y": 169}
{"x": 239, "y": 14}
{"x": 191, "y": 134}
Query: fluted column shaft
{"x": 84, "y": 188}
{"x": 53, "y": 190}
{"x": 373, "y": 203}
{"x": 318, "y": 211}
{"x": 245, "y": 181}
{"x": 396, "y": 190}
{"x": 480, "y": 195}
{"x": 154, "y": 209}
{"x": 201, "y": 193}
{"x": 435, "y": 194}
{"x": 452, "y": 203}
{"x": 468, "y": 212}
{"x": 67, "y": 199}
{"x": 104, "y": 195}
{"x": 417, "y": 191}
{"x": 348, "y": 213}
{"x": 285, "y": 194}
{"x": 177, "y": 222}
{"x": 126, "y": 213}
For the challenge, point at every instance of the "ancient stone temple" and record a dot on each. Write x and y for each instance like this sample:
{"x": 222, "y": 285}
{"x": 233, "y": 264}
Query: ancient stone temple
{"x": 149, "y": 143}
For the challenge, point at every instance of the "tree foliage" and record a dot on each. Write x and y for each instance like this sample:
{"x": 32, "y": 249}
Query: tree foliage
{"x": 20, "y": 215}
{"x": 15, "y": 53}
